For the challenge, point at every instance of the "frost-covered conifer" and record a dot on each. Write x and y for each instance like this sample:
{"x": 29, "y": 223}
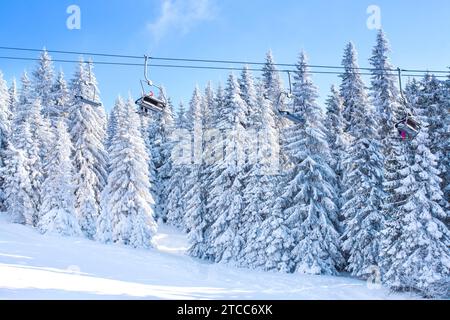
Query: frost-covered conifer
{"x": 309, "y": 192}
{"x": 363, "y": 173}
{"x": 226, "y": 199}
{"x": 17, "y": 187}
{"x": 87, "y": 130}
{"x": 415, "y": 255}
{"x": 57, "y": 193}
{"x": 43, "y": 83}
{"x": 127, "y": 215}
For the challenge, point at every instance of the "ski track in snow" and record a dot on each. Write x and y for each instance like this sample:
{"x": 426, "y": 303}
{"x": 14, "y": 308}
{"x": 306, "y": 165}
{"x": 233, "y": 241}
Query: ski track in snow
{"x": 33, "y": 266}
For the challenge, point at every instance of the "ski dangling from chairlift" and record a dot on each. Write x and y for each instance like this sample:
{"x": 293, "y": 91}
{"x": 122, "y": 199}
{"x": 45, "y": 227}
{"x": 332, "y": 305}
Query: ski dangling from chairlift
{"x": 408, "y": 127}
{"x": 148, "y": 102}
{"x": 86, "y": 100}
{"x": 281, "y": 104}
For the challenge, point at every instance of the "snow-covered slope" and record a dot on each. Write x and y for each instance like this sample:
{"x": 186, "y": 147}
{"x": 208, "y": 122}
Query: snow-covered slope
{"x": 33, "y": 266}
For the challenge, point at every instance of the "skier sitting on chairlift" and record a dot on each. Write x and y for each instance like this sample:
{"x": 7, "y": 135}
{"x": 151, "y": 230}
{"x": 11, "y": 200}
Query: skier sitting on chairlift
{"x": 408, "y": 127}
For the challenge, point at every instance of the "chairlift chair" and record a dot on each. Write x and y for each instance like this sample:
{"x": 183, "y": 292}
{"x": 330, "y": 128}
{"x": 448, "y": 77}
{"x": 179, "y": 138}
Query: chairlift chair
{"x": 91, "y": 102}
{"x": 408, "y": 127}
{"x": 285, "y": 113}
{"x": 148, "y": 102}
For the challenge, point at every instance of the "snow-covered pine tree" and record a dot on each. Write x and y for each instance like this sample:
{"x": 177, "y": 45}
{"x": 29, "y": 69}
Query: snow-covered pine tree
{"x": 41, "y": 130}
{"x": 259, "y": 182}
{"x": 58, "y": 201}
{"x": 176, "y": 188}
{"x": 13, "y": 98}
{"x": 167, "y": 125}
{"x": 61, "y": 100}
{"x": 195, "y": 213}
{"x": 311, "y": 212}
{"x": 146, "y": 122}
{"x": 127, "y": 215}
{"x": 89, "y": 157}
{"x": 385, "y": 98}
{"x": 433, "y": 103}
{"x": 94, "y": 94}
{"x": 271, "y": 79}
{"x": 226, "y": 199}
{"x": 248, "y": 94}
{"x": 261, "y": 141}
{"x": 104, "y": 223}
{"x": 5, "y": 113}
{"x": 30, "y": 109}
{"x": 151, "y": 131}
{"x": 219, "y": 104}
{"x": 32, "y": 134}
{"x": 251, "y": 121}
{"x": 210, "y": 116}
{"x": 209, "y": 109}
{"x": 5, "y": 126}
{"x": 21, "y": 137}
{"x": 17, "y": 187}
{"x": 415, "y": 255}
{"x": 412, "y": 91}
{"x": 27, "y": 143}
{"x": 352, "y": 87}
{"x": 275, "y": 240}
{"x": 363, "y": 172}
{"x": 181, "y": 119}
{"x": 199, "y": 233}
{"x": 445, "y": 159}
{"x": 112, "y": 120}
{"x": 384, "y": 93}
{"x": 195, "y": 199}
{"x": 194, "y": 117}
{"x": 213, "y": 155}
{"x": 24, "y": 103}
{"x": 337, "y": 140}
{"x": 273, "y": 89}
{"x": 43, "y": 83}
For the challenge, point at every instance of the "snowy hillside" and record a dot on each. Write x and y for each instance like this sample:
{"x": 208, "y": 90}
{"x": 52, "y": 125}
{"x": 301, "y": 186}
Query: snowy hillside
{"x": 33, "y": 266}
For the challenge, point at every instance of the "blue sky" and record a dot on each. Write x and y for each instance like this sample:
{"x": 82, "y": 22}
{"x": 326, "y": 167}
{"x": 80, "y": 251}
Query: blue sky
{"x": 228, "y": 29}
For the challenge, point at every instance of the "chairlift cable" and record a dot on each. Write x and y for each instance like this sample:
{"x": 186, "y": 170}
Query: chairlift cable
{"x": 106, "y": 55}
{"x": 129, "y": 64}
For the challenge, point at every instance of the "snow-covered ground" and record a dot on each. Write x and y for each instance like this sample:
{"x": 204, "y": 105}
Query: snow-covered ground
{"x": 33, "y": 266}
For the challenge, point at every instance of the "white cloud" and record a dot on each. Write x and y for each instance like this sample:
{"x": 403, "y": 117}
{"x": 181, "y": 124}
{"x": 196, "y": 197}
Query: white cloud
{"x": 181, "y": 16}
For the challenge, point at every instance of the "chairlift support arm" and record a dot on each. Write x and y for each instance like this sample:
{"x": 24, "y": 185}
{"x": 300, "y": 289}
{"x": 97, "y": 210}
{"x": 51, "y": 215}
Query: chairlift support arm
{"x": 290, "y": 82}
{"x": 401, "y": 85}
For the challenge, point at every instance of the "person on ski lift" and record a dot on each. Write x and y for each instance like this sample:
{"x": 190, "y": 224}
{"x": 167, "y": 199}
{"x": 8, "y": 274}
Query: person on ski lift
{"x": 408, "y": 127}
